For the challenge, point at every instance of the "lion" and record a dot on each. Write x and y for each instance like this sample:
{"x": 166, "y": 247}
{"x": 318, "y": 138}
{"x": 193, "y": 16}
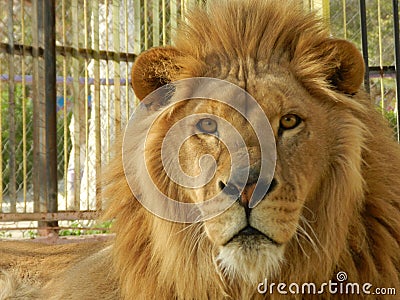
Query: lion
{"x": 329, "y": 215}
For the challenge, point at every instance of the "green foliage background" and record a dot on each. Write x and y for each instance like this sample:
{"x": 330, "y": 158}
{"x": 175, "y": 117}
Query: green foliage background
{"x": 18, "y": 151}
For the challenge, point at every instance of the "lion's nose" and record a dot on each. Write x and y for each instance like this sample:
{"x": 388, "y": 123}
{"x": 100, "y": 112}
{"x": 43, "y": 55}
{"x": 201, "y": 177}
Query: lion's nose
{"x": 260, "y": 191}
{"x": 245, "y": 197}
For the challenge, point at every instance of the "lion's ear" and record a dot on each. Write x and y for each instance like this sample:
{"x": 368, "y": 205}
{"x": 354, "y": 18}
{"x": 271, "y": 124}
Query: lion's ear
{"x": 153, "y": 69}
{"x": 347, "y": 73}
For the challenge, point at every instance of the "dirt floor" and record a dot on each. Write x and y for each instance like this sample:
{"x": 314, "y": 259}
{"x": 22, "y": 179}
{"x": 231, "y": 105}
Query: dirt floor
{"x": 41, "y": 259}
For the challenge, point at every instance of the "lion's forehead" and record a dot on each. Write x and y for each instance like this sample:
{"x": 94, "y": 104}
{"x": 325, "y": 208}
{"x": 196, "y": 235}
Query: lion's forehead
{"x": 273, "y": 86}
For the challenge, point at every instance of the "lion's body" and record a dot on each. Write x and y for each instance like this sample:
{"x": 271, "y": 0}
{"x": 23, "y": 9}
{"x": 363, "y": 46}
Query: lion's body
{"x": 36, "y": 264}
{"x": 336, "y": 203}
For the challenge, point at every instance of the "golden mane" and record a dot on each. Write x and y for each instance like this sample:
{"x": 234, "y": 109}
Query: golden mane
{"x": 355, "y": 212}
{"x": 260, "y": 33}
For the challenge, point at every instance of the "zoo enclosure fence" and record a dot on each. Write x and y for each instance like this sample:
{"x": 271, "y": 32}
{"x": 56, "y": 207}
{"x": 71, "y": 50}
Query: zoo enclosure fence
{"x": 65, "y": 92}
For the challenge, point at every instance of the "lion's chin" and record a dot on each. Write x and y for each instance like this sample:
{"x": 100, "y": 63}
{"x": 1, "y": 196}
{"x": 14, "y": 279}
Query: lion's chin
{"x": 250, "y": 259}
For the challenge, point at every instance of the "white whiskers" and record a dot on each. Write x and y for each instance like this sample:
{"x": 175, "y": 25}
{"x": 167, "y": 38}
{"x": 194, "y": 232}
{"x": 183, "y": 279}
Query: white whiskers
{"x": 306, "y": 232}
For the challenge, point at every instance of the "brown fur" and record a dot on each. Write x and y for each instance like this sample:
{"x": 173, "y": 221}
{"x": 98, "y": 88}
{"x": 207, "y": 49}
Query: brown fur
{"x": 336, "y": 205}
{"x": 24, "y": 267}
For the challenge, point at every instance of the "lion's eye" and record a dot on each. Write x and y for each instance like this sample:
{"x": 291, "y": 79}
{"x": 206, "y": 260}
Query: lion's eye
{"x": 289, "y": 121}
{"x": 207, "y": 125}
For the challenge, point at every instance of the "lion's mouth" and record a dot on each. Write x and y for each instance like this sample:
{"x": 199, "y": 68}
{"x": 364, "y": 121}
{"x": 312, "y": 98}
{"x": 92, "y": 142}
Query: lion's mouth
{"x": 250, "y": 231}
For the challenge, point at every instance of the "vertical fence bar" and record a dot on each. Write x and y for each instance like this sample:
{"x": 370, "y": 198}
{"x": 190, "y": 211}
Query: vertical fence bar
{"x": 65, "y": 107}
{"x": 117, "y": 71}
{"x": 156, "y": 22}
{"x": 96, "y": 72}
{"x": 11, "y": 112}
{"x": 145, "y": 20}
{"x": 183, "y": 11}
{"x": 45, "y": 127}
{"x": 326, "y": 12}
{"x": 108, "y": 104}
{"x": 49, "y": 17}
{"x": 86, "y": 105}
{"x": 36, "y": 25}
{"x": 40, "y": 113}
{"x": 382, "y": 88}
{"x": 164, "y": 23}
{"x": 137, "y": 46}
{"x": 126, "y": 38}
{"x": 364, "y": 42}
{"x": 173, "y": 17}
{"x": 344, "y": 19}
{"x": 76, "y": 107}
{"x": 397, "y": 57}
{"x": 23, "y": 100}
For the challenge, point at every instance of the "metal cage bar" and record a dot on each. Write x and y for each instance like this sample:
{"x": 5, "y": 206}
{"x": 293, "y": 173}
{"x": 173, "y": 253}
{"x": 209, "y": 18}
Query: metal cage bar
{"x": 364, "y": 42}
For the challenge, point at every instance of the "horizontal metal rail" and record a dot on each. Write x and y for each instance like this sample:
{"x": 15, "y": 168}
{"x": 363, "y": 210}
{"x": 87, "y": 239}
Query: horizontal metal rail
{"x": 23, "y": 50}
{"x": 83, "y": 228}
{"x": 56, "y": 216}
{"x": 68, "y": 80}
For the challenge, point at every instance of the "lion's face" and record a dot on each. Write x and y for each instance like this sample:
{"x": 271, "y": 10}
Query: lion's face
{"x": 309, "y": 132}
{"x": 253, "y": 241}
{"x": 248, "y": 242}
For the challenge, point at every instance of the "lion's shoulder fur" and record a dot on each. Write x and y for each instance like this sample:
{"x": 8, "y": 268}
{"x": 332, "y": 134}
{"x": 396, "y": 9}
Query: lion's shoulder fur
{"x": 27, "y": 266}
{"x": 13, "y": 287}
